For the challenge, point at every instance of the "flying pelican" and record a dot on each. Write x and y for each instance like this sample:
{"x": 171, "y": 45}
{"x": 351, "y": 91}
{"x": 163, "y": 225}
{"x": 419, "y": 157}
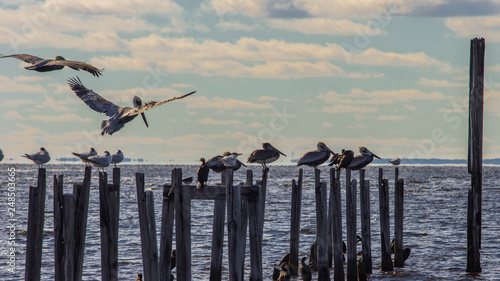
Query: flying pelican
{"x": 41, "y": 157}
{"x": 215, "y": 163}
{"x": 99, "y": 161}
{"x": 316, "y": 157}
{"x": 305, "y": 270}
{"x": 119, "y": 115}
{"x": 264, "y": 156}
{"x": 84, "y": 155}
{"x": 360, "y": 161}
{"x": 343, "y": 160}
{"x": 202, "y": 174}
{"x": 396, "y": 161}
{"x": 230, "y": 160}
{"x": 1, "y": 155}
{"x": 117, "y": 157}
{"x": 44, "y": 65}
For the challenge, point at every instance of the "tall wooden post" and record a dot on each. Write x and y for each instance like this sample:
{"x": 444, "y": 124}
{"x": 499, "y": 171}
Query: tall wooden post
{"x": 321, "y": 228}
{"x": 255, "y": 237}
{"x": 398, "y": 223}
{"x": 108, "y": 210}
{"x": 233, "y": 195}
{"x": 364, "y": 200}
{"x": 81, "y": 195}
{"x": 385, "y": 228}
{"x": 352, "y": 268}
{"x": 58, "y": 201}
{"x": 167, "y": 233}
{"x": 336, "y": 215}
{"x": 182, "y": 203}
{"x": 295, "y": 224}
{"x": 475, "y": 154}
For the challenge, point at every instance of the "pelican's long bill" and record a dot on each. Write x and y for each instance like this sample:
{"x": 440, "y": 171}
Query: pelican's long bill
{"x": 144, "y": 118}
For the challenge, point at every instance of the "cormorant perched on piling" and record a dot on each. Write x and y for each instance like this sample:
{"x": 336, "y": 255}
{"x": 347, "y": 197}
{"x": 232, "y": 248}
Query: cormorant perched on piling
{"x": 316, "y": 157}
{"x": 139, "y": 277}
{"x": 305, "y": 271}
{"x": 361, "y": 161}
{"x": 276, "y": 273}
{"x": 285, "y": 275}
{"x": 342, "y": 161}
{"x": 202, "y": 173}
{"x": 265, "y": 156}
{"x": 285, "y": 259}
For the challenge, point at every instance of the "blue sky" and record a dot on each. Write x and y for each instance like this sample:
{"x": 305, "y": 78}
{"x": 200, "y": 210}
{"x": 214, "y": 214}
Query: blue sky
{"x": 389, "y": 75}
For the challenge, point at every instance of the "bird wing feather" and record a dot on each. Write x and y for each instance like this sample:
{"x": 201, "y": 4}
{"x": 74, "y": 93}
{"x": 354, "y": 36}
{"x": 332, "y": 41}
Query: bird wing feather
{"x": 25, "y": 57}
{"x": 91, "y": 98}
{"x": 77, "y": 65}
{"x": 153, "y": 104}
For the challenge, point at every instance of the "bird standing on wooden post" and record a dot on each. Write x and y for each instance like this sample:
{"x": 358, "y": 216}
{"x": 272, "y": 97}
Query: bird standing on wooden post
{"x": 84, "y": 155}
{"x": 316, "y": 157}
{"x": 362, "y": 160}
{"x": 202, "y": 173}
{"x": 265, "y": 156}
{"x": 396, "y": 161}
{"x": 305, "y": 271}
{"x": 117, "y": 157}
{"x": 99, "y": 161}
{"x": 342, "y": 161}
{"x": 215, "y": 163}
{"x": 41, "y": 157}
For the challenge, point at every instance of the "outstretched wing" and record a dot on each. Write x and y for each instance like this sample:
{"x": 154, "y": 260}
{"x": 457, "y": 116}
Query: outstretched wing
{"x": 77, "y": 65}
{"x": 153, "y": 104}
{"x": 25, "y": 57}
{"x": 92, "y": 99}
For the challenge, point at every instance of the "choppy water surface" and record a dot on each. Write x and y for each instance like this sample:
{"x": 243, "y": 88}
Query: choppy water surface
{"x": 434, "y": 224}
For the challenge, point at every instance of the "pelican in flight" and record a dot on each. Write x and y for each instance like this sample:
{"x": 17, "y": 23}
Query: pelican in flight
{"x": 362, "y": 160}
{"x": 316, "y": 157}
{"x": 202, "y": 174}
{"x": 44, "y": 65}
{"x": 396, "y": 161}
{"x": 99, "y": 161}
{"x": 84, "y": 155}
{"x": 117, "y": 158}
{"x": 41, "y": 157}
{"x": 215, "y": 163}
{"x": 343, "y": 160}
{"x": 119, "y": 115}
{"x": 1, "y": 155}
{"x": 265, "y": 156}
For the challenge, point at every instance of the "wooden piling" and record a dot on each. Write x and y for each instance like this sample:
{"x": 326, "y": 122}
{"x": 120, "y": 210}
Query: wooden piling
{"x": 295, "y": 208}
{"x": 58, "y": 201}
{"x": 235, "y": 256}
{"x": 398, "y": 223}
{"x": 255, "y": 235}
{"x": 321, "y": 227}
{"x": 81, "y": 193}
{"x": 36, "y": 217}
{"x": 182, "y": 203}
{"x": 167, "y": 233}
{"x": 364, "y": 198}
{"x": 336, "y": 215}
{"x": 68, "y": 237}
{"x": 108, "y": 211}
{"x": 475, "y": 153}
{"x": 217, "y": 240}
{"x": 385, "y": 227}
{"x": 352, "y": 268}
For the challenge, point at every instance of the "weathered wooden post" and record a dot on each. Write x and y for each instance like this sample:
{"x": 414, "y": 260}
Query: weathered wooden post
{"x": 385, "y": 228}
{"x": 58, "y": 201}
{"x": 34, "y": 239}
{"x": 68, "y": 237}
{"x": 255, "y": 236}
{"x": 217, "y": 240}
{"x": 81, "y": 193}
{"x": 182, "y": 203}
{"x": 336, "y": 215}
{"x": 475, "y": 154}
{"x": 352, "y": 268}
{"x": 398, "y": 221}
{"x": 233, "y": 195}
{"x": 321, "y": 227}
{"x": 167, "y": 232}
{"x": 364, "y": 198}
{"x": 295, "y": 224}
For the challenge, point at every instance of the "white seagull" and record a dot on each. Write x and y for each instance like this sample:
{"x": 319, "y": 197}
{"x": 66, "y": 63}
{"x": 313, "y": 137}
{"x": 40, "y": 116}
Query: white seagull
{"x": 230, "y": 160}
{"x": 117, "y": 157}
{"x": 44, "y": 65}
{"x": 99, "y": 161}
{"x": 84, "y": 155}
{"x": 41, "y": 157}
{"x": 119, "y": 115}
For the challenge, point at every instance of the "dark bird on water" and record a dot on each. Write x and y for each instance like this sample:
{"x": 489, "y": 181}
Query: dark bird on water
{"x": 342, "y": 161}
{"x": 316, "y": 157}
{"x": 44, "y": 65}
{"x": 202, "y": 173}
{"x": 305, "y": 271}
{"x": 362, "y": 160}
{"x": 265, "y": 156}
{"x": 119, "y": 116}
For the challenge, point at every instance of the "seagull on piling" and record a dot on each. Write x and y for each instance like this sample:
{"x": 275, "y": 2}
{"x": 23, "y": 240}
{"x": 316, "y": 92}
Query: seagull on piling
{"x": 215, "y": 163}
{"x": 84, "y": 155}
{"x": 119, "y": 115}
{"x": 44, "y": 65}
{"x": 343, "y": 160}
{"x": 117, "y": 157}
{"x": 41, "y": 157}
{"x": 265, "y": 156}
{"x": 316, "y": 157}
{"x": 202, "y": 174}
{"x": 396, "y": 161}
{"x": 99, "y": 161}
{"x": 362, "y": 160}
{"x": 230, "y": 160}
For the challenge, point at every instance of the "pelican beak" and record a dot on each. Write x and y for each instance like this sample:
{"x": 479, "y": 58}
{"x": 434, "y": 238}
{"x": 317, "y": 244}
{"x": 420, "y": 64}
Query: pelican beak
{"x": 144, "y": 118}
{"x": 374, "y": 155}
{"x": 281, "y": 153}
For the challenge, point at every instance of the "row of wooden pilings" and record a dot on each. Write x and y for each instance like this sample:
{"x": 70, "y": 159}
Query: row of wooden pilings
{"x": 245, "y": 208}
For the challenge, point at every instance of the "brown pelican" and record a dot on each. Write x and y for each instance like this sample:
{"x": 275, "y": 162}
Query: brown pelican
{"x": 285, "y": 275}
{"x": 119, "y": 115}
{"x": 360, "y": 161}
{"x": 342, "y": 160}
{"x": 84, "y": 155}
{"x": 396, "y": 161}
{"x": 1, "y": 155}
{"x": 44, "y": 65}
{"x": 305, "y": 271}
{"x": 99, "y": 161}
{"x": 316, "y": 157}
{"x": 264, "y": 156}
{"x": 215, "y": 163}
{"x": 202, "y": 173}
{"x": 117, "y": 157}
{"x": 41, "y": 157}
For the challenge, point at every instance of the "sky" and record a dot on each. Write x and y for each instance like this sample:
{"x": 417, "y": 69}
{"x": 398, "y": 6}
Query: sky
{"x": 391, "y": 75}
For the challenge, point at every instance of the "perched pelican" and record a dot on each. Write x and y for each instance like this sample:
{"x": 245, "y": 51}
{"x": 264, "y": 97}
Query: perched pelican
{"x": 202, "y": 173}
{"x": 285, "y": 275}
{"x": 41, "y": 157}
{"x": 44, "y": 65}
{"x": 117, "y": 157}
{"x": 360, "y": 161}
{"x": 84, "y": 155}
{"x": 215, "y": 163}
{"x": 342, "y": 160}
{"x": 119, "y": 115}
{"x": 316, "y": 157}
{"x": 99, "y": 161}
{"x": 264, "y": 156}
{"x": 396, "y": 161}
{"x": 305, "y": 271}
{"x": 1, "y": 155}
{"x": 230, "y": 160}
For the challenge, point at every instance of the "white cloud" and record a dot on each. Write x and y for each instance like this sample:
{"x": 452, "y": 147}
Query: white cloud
{"x": 68, "y": 117}
{"x": 470, "y": 27}
{"x": 210, "y": 121}
{"x": 392, "y": 117}
{"x": 328, "y": 26}
{"x": 225, "y": 103}
{"x": 349, "y": 109}
{"x": 440, "y": 83}
{"x": 256, "y": 8}
{"x": 235, "y": 25}
{"x": 255, "y": 125}
{"x": 326, "y": 124}
{"x": 12, "y": 85}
